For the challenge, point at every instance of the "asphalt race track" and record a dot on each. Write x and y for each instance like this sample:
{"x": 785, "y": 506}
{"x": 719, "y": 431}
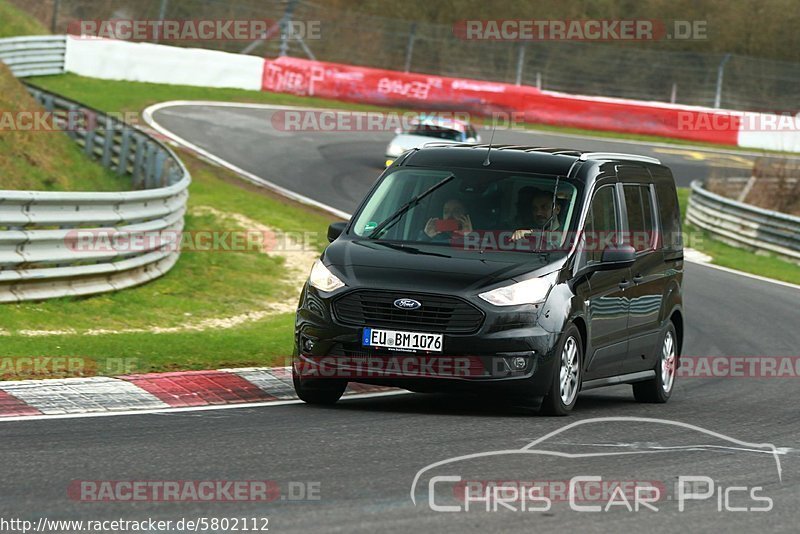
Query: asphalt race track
{"x": 364, "y": 453}
{"x": 337, "y": 167}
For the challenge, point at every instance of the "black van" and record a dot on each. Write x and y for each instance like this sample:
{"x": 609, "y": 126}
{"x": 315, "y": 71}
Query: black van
{"x": 507, "y": 270}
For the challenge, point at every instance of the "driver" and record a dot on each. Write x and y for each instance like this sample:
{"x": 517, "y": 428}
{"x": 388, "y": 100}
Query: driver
{"x": 537, "y": 213}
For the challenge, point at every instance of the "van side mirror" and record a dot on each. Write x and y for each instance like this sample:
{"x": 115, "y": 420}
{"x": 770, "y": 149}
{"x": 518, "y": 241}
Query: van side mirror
{"x": 618, "y": 257}
{"x": 335, "y": 230}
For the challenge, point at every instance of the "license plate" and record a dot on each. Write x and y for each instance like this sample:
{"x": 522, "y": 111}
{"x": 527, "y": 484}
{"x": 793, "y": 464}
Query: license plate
{"x": 392, "y": 339}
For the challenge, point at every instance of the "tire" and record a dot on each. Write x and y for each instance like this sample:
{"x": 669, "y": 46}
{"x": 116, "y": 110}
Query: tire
{"x": 567, "y": 375}
{"x": 659, "y": 389}
{"x": 320, "y": 392}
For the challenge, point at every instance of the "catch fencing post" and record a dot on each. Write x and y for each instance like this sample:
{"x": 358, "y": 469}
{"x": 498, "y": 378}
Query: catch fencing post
{"x": 412, "y": 34}
{"x": 720, "y": 72}
{"x": 162, "y": 14}
{"x": 285, "y": 21}
{"x": 520, "y": 62}
{"x": 54, "y": 22}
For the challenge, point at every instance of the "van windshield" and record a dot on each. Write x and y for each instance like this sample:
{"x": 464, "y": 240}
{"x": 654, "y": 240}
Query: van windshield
{"x": 471, "y": 209}
{"x": 437, "y": 132}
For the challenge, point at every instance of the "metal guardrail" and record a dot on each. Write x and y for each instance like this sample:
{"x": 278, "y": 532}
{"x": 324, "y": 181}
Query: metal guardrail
{"x": 57, "y": 244}
{"x": 743, "y": 225}
{"x": 35, "y": 55}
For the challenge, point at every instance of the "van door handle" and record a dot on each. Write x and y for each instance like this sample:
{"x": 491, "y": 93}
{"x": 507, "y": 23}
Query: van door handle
{"x": 625, "y": 284}
{"x": 638, "y": 278}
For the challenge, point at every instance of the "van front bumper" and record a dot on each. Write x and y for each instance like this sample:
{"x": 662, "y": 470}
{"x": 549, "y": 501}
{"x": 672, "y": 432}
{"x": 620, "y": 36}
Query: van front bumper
{"x": 508, "y": 355}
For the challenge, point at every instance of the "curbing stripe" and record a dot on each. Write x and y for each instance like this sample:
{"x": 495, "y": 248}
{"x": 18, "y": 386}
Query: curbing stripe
{"x": 274, "y": 383}
{"x": 11, "y": 406}
{"x": 199, "y": 388}
{"x": 161, "y": 411}
{"x": 154, "y": 392}
{"x": 278, "y": 381}
{"x": 81, "y": 395}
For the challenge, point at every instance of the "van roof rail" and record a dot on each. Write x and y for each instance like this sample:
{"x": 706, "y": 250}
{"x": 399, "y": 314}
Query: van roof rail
{"x": 616, "y": 155}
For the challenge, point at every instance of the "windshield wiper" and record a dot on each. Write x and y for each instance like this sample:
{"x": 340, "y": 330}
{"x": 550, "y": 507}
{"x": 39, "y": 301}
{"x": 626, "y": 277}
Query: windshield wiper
{"x": 411, "y": 250}
{"x": 407, "y": 206}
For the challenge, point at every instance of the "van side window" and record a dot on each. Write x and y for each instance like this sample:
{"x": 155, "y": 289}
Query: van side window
{"x": 670, "y": 216}
{"x": 639, "y": 205}
{"x": 601, "y": 223}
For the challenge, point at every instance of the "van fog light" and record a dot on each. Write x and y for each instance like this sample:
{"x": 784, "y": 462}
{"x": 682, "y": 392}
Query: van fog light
{"x": 514, "y": 363}
{"x": 518, "y": 363}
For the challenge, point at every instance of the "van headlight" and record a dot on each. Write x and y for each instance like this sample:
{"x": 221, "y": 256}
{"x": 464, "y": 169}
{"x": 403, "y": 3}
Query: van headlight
{"x": 323, "y": 279}
{"x": 533, "y": 291}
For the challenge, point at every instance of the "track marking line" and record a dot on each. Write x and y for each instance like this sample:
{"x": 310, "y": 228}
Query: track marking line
{"x": 746, "y": 275}
{"x": 147, "y": 114}
{"x": 194, "y": 408}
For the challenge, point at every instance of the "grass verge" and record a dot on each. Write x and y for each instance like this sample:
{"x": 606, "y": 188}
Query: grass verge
{"x": 16, "y": 22}
{"x": 261, "y": 343}
{"x": 33, "y": 158}
{"x": 217, "y": 286}
{"x": 39, "y": 158}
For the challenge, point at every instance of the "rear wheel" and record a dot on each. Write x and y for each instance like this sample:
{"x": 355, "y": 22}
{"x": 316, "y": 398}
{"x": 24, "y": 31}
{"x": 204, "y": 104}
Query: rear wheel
{"x": 320, "y": 391}
{"x": 567, "y": 377}
{"x": 659, "y": 389}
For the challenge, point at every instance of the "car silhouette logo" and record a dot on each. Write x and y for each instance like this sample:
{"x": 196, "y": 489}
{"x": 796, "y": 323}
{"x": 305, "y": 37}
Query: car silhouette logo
{"x": 407, "y": 304}
{"x": 536, "y": 447}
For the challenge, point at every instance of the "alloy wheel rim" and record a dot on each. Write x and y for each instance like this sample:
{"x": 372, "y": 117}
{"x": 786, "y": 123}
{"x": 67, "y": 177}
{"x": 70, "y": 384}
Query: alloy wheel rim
{"x": 668, "y": 363}
{"x": 568, "y": 374}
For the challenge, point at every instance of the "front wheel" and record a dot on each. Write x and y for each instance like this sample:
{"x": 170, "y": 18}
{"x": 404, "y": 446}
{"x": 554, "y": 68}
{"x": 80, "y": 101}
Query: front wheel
{"x": 320, "y": 391}
{"x": 567, "y": 377}
{"x": 659, "y": 389}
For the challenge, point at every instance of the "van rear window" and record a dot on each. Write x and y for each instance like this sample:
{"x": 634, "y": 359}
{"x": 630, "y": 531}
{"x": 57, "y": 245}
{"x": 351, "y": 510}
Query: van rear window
{"x": 670, "y": 216}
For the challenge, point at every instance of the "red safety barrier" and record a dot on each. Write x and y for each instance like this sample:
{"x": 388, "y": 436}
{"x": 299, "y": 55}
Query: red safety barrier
{"x": 385, "y": 87}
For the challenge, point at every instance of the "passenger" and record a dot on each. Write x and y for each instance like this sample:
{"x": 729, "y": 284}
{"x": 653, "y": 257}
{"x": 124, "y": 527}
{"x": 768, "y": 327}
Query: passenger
{"x": 455, "y": 221}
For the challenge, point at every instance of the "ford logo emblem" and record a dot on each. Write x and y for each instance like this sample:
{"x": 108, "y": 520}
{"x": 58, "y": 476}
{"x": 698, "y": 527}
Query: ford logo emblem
{"x": 407, "y": 304}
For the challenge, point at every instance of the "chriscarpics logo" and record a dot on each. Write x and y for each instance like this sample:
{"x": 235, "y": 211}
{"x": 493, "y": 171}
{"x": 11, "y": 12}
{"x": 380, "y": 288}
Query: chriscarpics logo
{"x": 600, "y": 465}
